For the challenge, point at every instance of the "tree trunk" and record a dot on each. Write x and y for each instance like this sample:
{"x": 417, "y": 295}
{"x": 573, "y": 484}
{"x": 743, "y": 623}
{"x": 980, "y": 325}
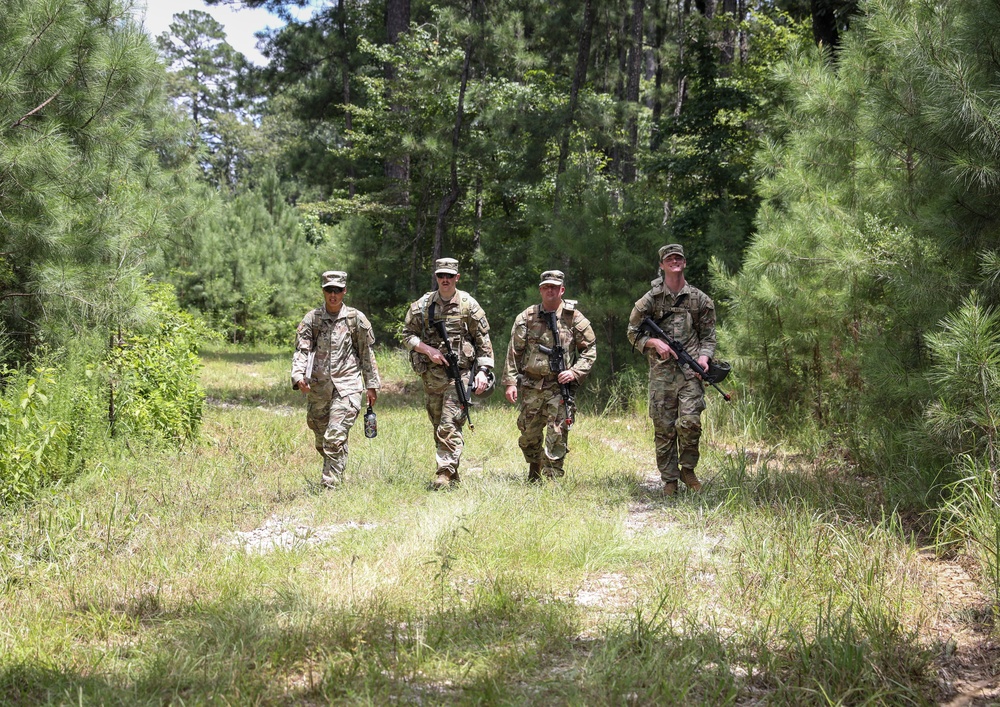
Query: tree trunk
{"x": 449, "y": 199}
{"x": 579, "y": 79}
{"x": 397, "y": 171}
{"x": 397, "y": 18}
{"x": 659, "y": 32}
{"x": 682, "y": 16}
{"x": 824, "y": 22}
{"x": 624, "y": 36}
{"x": 345, "y": 86}
{"x": 730, "y": 35}
{"x": 477, "y": 228}
{"x": 632, "y": 91}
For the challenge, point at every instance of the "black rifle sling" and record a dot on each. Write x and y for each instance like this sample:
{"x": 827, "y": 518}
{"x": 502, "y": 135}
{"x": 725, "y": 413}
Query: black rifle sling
{"x": 557, "y": 347}
{"x": 430, "y": 321}
{"x": 464, "y": 392}
{"x": 550, "y": 317}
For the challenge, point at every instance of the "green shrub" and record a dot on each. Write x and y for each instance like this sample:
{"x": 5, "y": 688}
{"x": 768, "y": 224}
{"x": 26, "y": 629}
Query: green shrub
{"x": 51, "y": 414}
{"x": 154, "y": 374}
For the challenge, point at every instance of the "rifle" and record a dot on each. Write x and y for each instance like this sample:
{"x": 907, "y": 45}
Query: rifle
{"x": 653, "y": 329}
{"x": 454, "y": 374}
{"x": 557, "y": 364}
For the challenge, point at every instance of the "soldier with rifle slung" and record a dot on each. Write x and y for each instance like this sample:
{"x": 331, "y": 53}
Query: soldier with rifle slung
{"x": 676, "y": 395}
{"x": 552, "y": 349}
{"x": 448, "y": 337}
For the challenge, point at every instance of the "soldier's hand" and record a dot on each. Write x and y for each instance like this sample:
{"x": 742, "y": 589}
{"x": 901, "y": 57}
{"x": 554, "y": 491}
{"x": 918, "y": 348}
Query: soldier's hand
{"x": 511, "y": 393}
{"x": 436, "y": 356}
{"x": 662, "y": 350}
{"x": 703, "y": 362}
{"x": 566, "y": 377}
{"x": 372, "y": 395}
{"x": 482, "y": 382}
{"x": 304, "y": 385}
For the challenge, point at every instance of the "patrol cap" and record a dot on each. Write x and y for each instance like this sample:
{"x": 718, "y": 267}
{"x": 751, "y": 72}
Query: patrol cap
{"x": 446, "y": 266}
{"x": 552, "y": 277}
{"x": 333, "y": 278}
{"x": 671, "y": 250}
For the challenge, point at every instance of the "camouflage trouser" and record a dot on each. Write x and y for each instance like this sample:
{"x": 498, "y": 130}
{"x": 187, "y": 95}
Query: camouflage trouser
{"x": 542, "y": 412}
{"x": 331, "y": 417}
{"x": 446, "y": 416}
{"x": 675, "y": 407}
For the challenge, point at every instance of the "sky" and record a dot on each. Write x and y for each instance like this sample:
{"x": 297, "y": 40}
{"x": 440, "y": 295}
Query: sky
{"x": 240, "y": 23}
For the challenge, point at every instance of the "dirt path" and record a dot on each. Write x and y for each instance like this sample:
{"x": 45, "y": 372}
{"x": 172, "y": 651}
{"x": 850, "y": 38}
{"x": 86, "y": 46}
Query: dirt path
{"x": 967, "y": 669}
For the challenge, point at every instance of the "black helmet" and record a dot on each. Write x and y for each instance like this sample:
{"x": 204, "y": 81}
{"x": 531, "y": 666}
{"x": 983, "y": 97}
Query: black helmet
{"x": 717, "y": 371}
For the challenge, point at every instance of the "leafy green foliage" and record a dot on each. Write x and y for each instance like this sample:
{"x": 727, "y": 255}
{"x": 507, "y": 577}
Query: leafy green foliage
{"x": 522, "y": 207}
{"x": 33, "y": 441}
{"x": 704, "y": 160}
{"x": 965, "y": 420}
{"x": 154, "y": 374}
{"x": 52, "y": 419}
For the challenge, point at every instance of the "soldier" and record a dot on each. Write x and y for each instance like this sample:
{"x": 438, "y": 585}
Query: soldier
{"x": 676, "y": 394}
{"x": 339, "y": 341}
{"x": 469, "y": 335}
{"x": 529, "y": 376}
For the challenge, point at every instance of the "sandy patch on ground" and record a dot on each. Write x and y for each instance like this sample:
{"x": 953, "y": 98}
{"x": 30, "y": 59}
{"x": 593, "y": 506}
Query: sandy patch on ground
{"x": 279, "y": 533}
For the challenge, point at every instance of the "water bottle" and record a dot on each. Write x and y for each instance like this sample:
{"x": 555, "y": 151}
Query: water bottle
{"x": 371, "y": 426}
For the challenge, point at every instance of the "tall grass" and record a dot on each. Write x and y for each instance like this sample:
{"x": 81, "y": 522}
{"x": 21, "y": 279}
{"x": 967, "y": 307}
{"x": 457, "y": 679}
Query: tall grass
{"x": 139, "y": 583}
{"x": 52, "y": 413}
{"x": 970, "y": 520}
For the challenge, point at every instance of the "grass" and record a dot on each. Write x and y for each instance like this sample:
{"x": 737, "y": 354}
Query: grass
{"x": 783, "y": 582}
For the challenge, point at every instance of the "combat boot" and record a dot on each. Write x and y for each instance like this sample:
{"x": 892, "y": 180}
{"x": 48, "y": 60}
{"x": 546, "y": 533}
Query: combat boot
{"x": 534, "y": 473}
{"x": 669, "y": 488}
{"x": 688, "y": 477}
{"x": 441, "y": 481}
{"x": 330, "y": 478}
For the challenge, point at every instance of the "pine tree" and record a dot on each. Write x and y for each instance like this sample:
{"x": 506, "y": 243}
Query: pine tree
{"x": 879, "y": 205}
{"x": 206, "y": 77}
{"x": 79, "y": 184}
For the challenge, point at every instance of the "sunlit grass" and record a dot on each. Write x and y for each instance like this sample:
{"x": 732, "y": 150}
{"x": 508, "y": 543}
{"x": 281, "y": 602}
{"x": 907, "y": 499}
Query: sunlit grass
{"x": 138, "y": 584}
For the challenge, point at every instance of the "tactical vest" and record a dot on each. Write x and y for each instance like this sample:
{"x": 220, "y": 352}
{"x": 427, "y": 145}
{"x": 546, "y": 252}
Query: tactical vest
{"x": 420, "y": 363}
{"x": 535, "y": 364}
{"x": 464, "y": 309}
{"x": 535, "y": 315}
{"x": 663, "y": 305}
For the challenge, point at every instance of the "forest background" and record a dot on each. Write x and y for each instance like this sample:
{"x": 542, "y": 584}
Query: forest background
{"x": 831, "y": 167}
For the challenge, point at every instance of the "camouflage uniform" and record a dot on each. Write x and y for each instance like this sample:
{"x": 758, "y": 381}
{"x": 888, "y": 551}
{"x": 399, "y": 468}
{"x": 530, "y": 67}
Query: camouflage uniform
{"x": 344, "y": 356}
{"x": 676, "y": 395}
{"x": 542, "y": 408}
{"x": 469, "y": 334}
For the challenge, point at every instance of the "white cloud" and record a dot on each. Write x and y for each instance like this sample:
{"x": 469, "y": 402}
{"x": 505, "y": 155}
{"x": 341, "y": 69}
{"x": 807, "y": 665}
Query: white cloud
{"x": 240, "y": 23}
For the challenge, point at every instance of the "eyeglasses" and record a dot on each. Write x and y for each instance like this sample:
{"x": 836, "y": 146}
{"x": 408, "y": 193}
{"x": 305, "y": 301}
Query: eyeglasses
{"x": 334, "y": 290}
{"x": 444, "y": 276}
